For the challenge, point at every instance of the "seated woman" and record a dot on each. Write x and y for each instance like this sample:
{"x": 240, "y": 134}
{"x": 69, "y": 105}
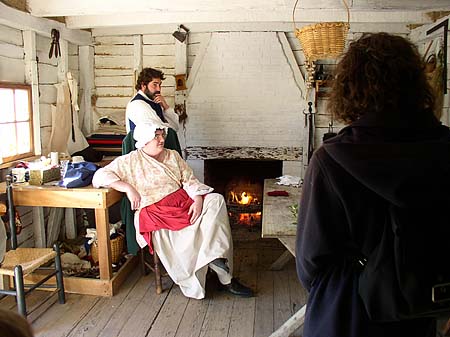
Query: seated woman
{"x": 176, "y": 215}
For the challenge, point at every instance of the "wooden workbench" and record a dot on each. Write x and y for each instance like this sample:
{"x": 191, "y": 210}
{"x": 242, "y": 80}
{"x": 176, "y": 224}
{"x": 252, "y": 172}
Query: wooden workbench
{"x": 279, "y": 222}
{"x": 99, "y": 199}
{"x": 277, "y": 219}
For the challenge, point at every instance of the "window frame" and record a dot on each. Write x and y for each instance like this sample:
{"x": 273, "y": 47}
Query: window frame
{"x": 21, "y": 86}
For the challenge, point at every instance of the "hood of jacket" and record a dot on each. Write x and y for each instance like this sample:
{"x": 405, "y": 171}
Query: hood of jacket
{"x": 406, "y": 163}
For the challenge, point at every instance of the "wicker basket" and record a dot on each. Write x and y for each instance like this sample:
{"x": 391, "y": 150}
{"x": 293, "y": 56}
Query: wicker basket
{"x": 116, "y": 249}
{"x": 323, "y": 40}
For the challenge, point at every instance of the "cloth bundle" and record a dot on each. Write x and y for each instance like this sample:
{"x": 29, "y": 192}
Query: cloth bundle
{"x": 289, "y": 180}
{"x": 78, "y": 174}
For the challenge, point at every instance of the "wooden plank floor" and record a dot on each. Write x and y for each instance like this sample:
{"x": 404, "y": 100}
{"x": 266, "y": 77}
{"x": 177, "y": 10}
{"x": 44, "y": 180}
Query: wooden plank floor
{"x": 136, "y": 311}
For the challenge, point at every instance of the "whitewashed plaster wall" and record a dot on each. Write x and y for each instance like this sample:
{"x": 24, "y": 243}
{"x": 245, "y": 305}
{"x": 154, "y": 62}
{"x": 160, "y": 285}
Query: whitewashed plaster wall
{"x": 244, "y": 94}
{"x": 216, "y": 114}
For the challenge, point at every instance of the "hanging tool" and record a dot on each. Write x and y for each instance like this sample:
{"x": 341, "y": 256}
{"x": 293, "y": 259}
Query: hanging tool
{"x": 55, "y": 49}
{"x": 330, "y": 133}
{"x": 310, "y": 114}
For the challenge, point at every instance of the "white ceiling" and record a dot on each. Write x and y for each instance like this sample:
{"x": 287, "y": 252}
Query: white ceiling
{"x": 119, "y": 13}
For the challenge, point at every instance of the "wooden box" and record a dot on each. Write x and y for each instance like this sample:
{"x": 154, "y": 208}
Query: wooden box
{"x": 39, "y": 177}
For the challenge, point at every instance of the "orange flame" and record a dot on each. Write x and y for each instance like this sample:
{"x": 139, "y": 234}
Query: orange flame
{"x": 244, "y": 198}
{"x": 249, "y": 218}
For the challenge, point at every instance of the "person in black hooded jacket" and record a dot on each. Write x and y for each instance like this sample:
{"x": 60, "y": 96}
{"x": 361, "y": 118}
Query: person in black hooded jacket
{"x": 393, "y": 150}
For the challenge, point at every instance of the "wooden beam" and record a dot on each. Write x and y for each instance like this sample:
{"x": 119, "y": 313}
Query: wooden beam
{"x": 198, "y": 61}
{"x": 305, "y": 16}
{"x": 52, "y": 8}
{"x": 32, "y": 78}
{"x": 137, "y": 57}
{"x": 17, "y": 19}
{"x": 39, "y": 227}
{"x": 71, "y": 223}
{"x": 287, "y": 50}
{"x": 63, "y": 61}
{"x": 86, "y": 63}
{"x": 393, "y": 27}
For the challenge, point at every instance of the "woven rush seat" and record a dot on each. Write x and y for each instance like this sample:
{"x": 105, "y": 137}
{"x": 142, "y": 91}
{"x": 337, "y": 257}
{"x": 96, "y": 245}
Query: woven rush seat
{"x": 19, "y": 262}
{"x": 29, "y": 258}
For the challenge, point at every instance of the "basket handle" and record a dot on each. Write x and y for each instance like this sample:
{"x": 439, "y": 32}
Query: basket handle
{"x": 295, "y": 6}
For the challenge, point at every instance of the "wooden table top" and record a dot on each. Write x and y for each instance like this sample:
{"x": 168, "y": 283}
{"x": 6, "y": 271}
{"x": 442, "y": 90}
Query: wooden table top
{"x": 55, "y": 196}
{"x": 277, "y": 218}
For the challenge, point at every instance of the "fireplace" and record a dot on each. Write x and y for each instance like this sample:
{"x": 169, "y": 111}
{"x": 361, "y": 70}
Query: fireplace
{"x": 241, "y": 183}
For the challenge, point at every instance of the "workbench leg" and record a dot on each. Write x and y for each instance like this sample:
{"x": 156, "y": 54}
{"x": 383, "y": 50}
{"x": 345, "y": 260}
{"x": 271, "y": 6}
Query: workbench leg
{"x": 281, "y": 261}
{"x": 292, "y": 324}
{"x": 104, "y": 246}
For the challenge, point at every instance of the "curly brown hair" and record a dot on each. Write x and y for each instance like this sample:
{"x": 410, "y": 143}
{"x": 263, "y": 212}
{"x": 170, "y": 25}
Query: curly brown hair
{"x": 147, "y": 75}
{"x": 382, "y": 74}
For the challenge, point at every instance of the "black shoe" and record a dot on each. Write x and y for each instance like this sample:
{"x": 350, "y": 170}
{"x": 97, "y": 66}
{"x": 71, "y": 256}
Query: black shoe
{"x": 237, "y": 288}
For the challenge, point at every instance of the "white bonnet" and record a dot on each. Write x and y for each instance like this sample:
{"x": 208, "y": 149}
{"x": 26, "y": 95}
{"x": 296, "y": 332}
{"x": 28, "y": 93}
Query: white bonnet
{"x": 145, "y": 132}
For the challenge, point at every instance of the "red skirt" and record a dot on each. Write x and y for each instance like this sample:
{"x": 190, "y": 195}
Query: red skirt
{"x": 171, "y": 212}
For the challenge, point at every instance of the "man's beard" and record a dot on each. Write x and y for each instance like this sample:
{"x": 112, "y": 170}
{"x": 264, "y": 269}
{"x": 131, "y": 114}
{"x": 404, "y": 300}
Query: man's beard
{"x": 151, "y": 95}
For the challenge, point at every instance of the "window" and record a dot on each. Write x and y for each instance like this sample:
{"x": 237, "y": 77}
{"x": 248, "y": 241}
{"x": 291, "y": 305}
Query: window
{"x": 16, "y": 122}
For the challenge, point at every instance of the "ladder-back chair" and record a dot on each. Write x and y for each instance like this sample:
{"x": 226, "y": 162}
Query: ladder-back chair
{"x": 20, "y": 262}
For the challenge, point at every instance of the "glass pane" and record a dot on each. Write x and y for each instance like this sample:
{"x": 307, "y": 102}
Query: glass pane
{"x": 22, "y": 106}
{"x": 8, "y": 143}
{"x": 6, "y": 105}
{"x": 23, "y": 143}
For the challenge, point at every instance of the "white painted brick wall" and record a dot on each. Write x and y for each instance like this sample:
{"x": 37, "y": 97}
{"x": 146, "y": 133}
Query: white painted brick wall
{"x": 244, "y": 94}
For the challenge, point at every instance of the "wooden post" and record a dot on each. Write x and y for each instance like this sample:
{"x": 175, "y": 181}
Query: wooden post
{"x": 104, "y": 245}
{"x": 63, "y": 60}
{"x": 39, "y": 227}
{"x": 54, "y": 225}
{"x": 71, "y": 225}
{"x": 86, "y": 61}
{"x": 31, "y": 77}
{"x": 181, "y": 69}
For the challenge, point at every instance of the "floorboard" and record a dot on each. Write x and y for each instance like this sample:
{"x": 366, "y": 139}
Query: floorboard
{"x": 138, "y": 311}
{"x": 243, "y": 312}
{"x": 169, "y": 318}
{"x": 193, "y": 317}
{"x": 104, "y": 310}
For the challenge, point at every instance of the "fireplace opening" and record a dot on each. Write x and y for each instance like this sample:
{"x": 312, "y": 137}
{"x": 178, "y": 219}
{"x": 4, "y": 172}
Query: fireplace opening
{"x": 241, "y": 182}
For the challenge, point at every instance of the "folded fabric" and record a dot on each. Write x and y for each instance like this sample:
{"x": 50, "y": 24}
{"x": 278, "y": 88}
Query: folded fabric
{"x": 78, "y": 174}
{"x": 289, "y": 180}
{"x": 278, "y": 193}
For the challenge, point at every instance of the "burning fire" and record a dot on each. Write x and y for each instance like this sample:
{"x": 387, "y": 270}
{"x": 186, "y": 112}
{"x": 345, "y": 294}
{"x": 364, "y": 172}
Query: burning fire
{"x": 244, "y": 206}
{"x": 249, "y": 218}
{"x": 244, "y": 198}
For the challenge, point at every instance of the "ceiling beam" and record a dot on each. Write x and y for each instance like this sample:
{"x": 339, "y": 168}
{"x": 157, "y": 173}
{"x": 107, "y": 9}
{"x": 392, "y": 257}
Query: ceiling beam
{"x": 241, "y": 27}
{"x": 52, "y": 8}
{"x": 17, "y": 19}
{"x": 256, "y": 16}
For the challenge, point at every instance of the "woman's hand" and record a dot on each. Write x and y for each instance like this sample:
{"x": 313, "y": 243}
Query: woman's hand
{"x": 134, "y": 197}
{"x": 132, "y": 194}
{"x": 196, "y": 208}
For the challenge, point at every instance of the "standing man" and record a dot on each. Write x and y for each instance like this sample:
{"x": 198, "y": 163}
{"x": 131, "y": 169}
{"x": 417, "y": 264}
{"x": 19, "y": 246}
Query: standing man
{"x": 149, "y": 106}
